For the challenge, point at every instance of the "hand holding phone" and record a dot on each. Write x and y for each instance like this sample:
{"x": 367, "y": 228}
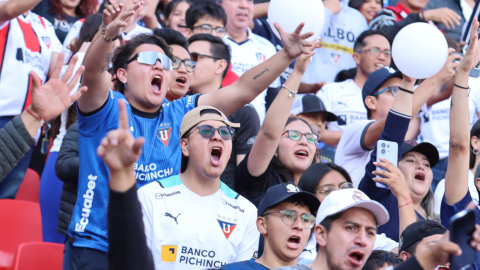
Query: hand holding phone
{"x": 389, "y": 151}
{"x": 462, "y": 226}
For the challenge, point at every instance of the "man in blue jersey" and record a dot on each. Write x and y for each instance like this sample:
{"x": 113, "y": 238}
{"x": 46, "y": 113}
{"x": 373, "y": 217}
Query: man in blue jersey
{"x": 142, "y": 68}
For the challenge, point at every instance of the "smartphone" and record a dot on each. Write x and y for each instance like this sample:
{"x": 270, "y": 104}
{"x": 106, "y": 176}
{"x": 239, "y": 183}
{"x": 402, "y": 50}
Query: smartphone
{"x": 462, "y": 226}
{"x": 389, "y": 151}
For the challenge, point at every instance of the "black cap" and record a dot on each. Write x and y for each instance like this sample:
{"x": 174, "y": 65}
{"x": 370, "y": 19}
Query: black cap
{"x": 311, "y": 103}
{"x": 417, "y": 231}
{"x": 281, "y": 192}
{"x": 377, "y": 78}
{"x": 428, "y": 149}
{"x": 475, "y": 131}
{"x": 477, "y": 173}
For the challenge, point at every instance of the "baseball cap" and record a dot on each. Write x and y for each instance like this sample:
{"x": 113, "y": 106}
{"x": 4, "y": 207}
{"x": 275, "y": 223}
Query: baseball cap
{"x": 343, "y": 199}
{"x": 475, "y": 131}
{"x": 281, "y": 192}
{"x": 311, "y": 103}
{"x": 417, "y": 231}
{"x": 377, "y": 79}
{"x": 428, "y": 149}
{"x": 477, "y": 173}
{"x": 193, "y": 117}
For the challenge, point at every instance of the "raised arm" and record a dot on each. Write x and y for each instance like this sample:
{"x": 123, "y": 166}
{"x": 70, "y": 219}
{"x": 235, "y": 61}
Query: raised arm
{"x": 99, "y": 55}
{"x": 270, "y": 132}
{"x": 258, "y": 78}
{"x": 456, "y": 178}
{"x": 14, "y": 8}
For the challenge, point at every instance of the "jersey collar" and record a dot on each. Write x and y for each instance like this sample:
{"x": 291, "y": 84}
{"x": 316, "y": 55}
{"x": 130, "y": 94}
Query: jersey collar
{"x": 250, "y": 36}
{"x": 403, "y": 10}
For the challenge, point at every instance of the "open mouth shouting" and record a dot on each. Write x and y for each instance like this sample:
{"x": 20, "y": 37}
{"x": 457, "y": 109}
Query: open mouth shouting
{"x": 356, "y": 257}
{"x": 420, "y": 176}
{"x": 301, "y": 154}
{"x": 215, "y": 155}
{"x": 181, "y": 81}
{"x": 157, "y": 84}
{"x": 293, "y": 241}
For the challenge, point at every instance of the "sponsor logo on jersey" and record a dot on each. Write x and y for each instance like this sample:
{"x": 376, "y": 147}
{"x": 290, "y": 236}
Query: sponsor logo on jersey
{"x": 308, "y": 250}
{"x": 173, "y": 217}
{"x": 260, "y": 57}
{"x": 236, "y": 207}
{"x": 199, "y": 257}
{"x": 163, "y": 133}
{"x": 169, "y": 253}
{"x": 47, "y": 41}
{"x": 87, "y": 204}
{"x": 160, "y": 196}
{"x": 251, "y": 140}
{"x": 190, "y": 100}
{"x": 149, "y": 172}
{"x": 342, "y": 120}
{"x": 227, "y": 227}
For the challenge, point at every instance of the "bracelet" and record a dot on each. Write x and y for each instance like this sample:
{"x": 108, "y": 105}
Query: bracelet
{"x": 292, "y": 93}
{"x": 405, "y": 90}
{"x": 410, "y": 202}
{"x": 107, "y": 39}
{"x": 461, "y": 87}
{"x": 34, "y": 116}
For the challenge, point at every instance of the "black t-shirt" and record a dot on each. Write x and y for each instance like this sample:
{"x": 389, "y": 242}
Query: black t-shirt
{"x": 242, "y": 141}
{"x": 254, "y": 188}
{"x": 62, "y": 25}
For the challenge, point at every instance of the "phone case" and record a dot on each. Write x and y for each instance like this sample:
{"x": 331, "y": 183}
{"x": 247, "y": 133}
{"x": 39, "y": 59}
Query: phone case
{"x": 462, "y": 226}
{"x": 389, "y": 151}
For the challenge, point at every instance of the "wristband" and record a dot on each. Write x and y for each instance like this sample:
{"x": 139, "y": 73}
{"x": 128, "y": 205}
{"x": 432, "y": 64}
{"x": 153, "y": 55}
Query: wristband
{"x": 34, "y": 116}
{"x": 410, "y": 202}
{"x": 461, "y": 87}
{"x": 405, "y": 90}
{"x": 105, "y": 37}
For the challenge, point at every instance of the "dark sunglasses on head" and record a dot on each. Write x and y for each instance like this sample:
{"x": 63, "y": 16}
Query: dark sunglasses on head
{"x": 207, "y": 132}
{"x": 189, "y": 64}
{"x": 150, "y": 58}
{"x": 297, "y": 135}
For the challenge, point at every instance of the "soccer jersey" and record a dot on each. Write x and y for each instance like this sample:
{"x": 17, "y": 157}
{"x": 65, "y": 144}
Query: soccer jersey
{"x": 339, "y": 35}
{"x": 344, "y": 99}
{"x": 160, "y": 158}
{"x": 351, "y": 152}
{"x": 188, "y": 231}
{"x": 26, "y": 44}
{"x": 246, "y": 55}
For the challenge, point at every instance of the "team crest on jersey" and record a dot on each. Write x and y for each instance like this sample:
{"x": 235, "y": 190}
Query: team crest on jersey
{"x": 261, "y": 57}
{"x": 47, "y": 41}
{"x": 163, "y": 133}
{"x": 227, "y": 227}
{"x": 335, "y": 57}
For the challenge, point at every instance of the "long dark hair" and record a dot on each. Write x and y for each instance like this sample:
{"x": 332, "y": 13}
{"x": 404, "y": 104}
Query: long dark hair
{"x": 85, "y": 8}
{"x": 314, "y": 174}
{"x": 278, "y": 167}
{"x": 356, "y": 4}
{"x": 171, "y": 6}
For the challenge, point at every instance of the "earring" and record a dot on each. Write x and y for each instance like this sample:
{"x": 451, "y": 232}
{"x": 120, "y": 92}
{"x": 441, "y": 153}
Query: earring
{"x": 475, "y": 151}
{"x": 125, "y": 84}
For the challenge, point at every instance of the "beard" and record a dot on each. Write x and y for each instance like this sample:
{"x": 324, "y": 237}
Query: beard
{"x": 330, "y": 263}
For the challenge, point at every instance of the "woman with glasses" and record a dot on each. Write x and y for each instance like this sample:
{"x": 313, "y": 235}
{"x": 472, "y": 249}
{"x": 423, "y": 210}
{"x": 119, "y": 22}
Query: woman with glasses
{"x": 322, "y": 179}
{"x": 183, "y": 66}
{"x": 284, "y": 147}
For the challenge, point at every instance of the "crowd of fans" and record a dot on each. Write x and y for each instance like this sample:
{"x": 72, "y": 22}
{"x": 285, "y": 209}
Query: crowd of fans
{"x": 185, "y": 134}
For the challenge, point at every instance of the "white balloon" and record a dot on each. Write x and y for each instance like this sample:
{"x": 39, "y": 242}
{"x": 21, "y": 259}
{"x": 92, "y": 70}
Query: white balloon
{"x": 290, "y": 13}
{"x": 420, "y": 50}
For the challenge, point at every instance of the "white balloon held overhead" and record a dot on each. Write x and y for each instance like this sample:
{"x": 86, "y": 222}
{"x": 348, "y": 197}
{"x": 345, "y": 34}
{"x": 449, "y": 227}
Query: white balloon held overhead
{"x": 420, "y": 50}
{"x": 290, "y": 13}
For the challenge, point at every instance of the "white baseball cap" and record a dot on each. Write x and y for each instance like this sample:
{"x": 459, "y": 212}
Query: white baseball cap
{"x": 343, "y": 199}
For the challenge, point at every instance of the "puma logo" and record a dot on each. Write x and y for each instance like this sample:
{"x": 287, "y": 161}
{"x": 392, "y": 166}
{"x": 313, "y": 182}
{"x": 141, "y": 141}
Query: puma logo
{"x": 174, "y": 218}
{"x": 309, "y": 250}
{"x": 341, "y": 103}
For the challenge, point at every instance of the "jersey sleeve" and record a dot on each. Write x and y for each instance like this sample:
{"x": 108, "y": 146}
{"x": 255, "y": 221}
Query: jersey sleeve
{"x": 354, "y": 138}
{"x": 55, "y": 45}
{"x": 249, "y": 244}
{"x": 147, "y": 211}
{"x": 182, "y": 106}
{"x": 382, "y": 242}
{"x": 249, "y": 127}
{"x": 104, "y": 118}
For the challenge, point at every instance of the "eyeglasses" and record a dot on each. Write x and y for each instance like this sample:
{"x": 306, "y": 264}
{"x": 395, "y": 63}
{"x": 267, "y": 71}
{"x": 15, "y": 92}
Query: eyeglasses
{"x": 328, "y": 189}
{"x": 376, "y": 51}
{"x": 208, "y": 29}
{"x": 195, "y": 56}
{"x": 189, "y": 64}
{"x": 290, "y": 216}
{"x": 150, "y": 58}
{"x": 207, "y": 132}
{"x": 393, "y": 90}
{"x": 297, "y": 135}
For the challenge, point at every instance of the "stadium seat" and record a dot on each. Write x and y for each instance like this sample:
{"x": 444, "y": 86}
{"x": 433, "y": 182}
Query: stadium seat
{"x": 39, "y": 256}
{"x": 30, "y": 187}
{"x": 20, "y": 222}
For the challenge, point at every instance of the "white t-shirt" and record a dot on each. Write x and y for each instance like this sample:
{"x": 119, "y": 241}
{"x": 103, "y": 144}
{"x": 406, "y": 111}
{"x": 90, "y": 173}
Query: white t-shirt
{"x": 187, "y": 231}
{"x": 351, "y": 153}
{"x": 339, "y": 35}
{"x": 344, "y": 99}
{"x": 440, "y": 191}
{"x": 57, "y": 143}
{"x": 245, "y": 55}
{"x": 435, "y": 120}
{"x": 382, "y": 242}
{"x": 26, "y": 44}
